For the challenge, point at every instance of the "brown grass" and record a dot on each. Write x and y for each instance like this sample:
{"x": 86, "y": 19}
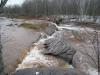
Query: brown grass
{"x": 34, "y": 26}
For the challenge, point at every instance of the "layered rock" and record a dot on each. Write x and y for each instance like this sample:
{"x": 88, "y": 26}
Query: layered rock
{"x": 58, "y": 45}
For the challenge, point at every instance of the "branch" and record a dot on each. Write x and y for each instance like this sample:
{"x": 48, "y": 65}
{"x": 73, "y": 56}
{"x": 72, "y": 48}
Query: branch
{"x": 3, "y": 2}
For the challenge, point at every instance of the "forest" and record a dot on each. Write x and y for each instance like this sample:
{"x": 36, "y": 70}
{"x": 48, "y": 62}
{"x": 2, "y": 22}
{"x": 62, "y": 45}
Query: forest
{"x": 55, "y": 7}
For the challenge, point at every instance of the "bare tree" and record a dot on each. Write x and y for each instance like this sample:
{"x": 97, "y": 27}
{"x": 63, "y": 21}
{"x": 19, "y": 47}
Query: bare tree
{"x": 2, "y": 4}
{"x": 76, "y": 8}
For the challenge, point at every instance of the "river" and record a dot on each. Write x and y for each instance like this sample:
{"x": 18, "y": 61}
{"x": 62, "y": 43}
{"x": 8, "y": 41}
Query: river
{"x": 15, "y": 42}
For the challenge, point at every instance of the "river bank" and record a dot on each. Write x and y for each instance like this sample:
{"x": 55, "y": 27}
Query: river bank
{"x": 17, "y": 41}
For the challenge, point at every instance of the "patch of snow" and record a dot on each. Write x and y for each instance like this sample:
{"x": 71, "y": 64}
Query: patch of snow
{"x": 92, "y": 71}
{"x": 70, "y": 66}
{"x": 41, "y": 41}
{"x": 72, "y": 36}
{"x": 75, "y": 28}
{"x": 71, "y": 27}
{"x": 37, "y": 73}
{"x": 50, "y": 37}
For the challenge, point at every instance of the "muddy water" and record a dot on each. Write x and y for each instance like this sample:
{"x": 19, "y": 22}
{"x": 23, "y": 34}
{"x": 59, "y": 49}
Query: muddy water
{"x": 15, "y": 42}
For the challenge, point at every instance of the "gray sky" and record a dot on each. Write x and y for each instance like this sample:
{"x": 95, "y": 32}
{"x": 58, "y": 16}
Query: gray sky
{"x": 12, "y": 2}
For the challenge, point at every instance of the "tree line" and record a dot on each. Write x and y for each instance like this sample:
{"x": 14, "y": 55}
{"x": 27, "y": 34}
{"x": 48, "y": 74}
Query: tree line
{"x": 55, "y": 7}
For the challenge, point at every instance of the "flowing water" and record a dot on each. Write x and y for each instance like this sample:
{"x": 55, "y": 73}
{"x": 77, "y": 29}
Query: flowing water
{"x": 15, "y": 42}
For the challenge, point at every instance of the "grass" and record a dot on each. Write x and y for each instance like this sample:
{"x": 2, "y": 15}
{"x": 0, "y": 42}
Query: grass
{"x": 21, "y": 17}
{"x": 34, "y": 26}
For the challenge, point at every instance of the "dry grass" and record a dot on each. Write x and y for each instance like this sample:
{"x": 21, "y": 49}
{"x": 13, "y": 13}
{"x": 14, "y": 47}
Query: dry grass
{"x": 34, "y": 26}
{"x": 20, "y": 17}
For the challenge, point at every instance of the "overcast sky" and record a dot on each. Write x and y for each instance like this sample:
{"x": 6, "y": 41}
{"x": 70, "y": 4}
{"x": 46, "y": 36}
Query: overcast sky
{"x": 12, "y": 2}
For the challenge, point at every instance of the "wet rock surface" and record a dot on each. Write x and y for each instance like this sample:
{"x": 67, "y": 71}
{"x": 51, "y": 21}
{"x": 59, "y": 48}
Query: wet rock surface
{"x": 35, "y": 59}
{"x": 59, "y": 46}
{"x": 48, "y": 71}
{"x": 50, "y": 29}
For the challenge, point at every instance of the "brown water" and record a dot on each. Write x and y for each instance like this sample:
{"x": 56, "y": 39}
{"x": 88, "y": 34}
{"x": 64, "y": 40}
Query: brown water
{"x": 15, "y": 42}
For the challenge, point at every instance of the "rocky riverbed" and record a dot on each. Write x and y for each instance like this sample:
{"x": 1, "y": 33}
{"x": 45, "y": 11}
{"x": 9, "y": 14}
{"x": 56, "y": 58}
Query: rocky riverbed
{"x": 67, "y": 47}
